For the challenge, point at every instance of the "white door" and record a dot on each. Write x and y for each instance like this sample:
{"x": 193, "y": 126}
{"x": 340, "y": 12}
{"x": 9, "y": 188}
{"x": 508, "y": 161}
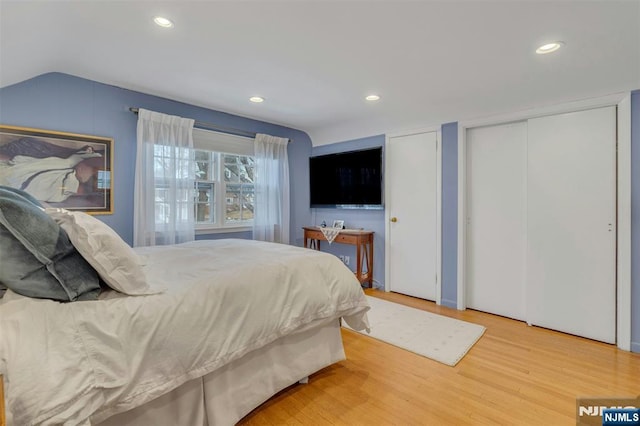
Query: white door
{"x": 411, "y": 169}
{"x": 571, "y": 283}
{"x": 496, "y": 219}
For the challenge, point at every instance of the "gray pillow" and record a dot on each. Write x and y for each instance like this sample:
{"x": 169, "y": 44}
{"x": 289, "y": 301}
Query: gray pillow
{"x": 29, "y": 197}
{"x": 38, "y": 260}
{"x": 22, "y": 193}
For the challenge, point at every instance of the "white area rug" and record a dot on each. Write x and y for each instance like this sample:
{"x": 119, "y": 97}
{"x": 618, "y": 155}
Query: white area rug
{"x": 440, "y": 338}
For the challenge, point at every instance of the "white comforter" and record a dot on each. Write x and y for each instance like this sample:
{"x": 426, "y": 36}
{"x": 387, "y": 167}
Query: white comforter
{"x": 84, "y": 361}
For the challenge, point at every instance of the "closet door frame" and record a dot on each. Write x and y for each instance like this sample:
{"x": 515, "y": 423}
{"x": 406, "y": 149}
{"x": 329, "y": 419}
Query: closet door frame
{"x": 623, "y": 195}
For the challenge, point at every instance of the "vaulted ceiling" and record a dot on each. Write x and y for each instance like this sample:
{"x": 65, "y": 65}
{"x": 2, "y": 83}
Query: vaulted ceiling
{"x": 315, "y": 61}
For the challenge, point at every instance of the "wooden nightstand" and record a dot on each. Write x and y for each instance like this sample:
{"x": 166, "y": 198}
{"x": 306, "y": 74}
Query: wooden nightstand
{"x": 362, "y": 239}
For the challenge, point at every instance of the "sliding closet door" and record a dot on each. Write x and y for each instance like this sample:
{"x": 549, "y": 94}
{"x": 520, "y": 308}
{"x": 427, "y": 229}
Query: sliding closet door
{"x": 496, "y": 227}
{"x": 571, "y": 284}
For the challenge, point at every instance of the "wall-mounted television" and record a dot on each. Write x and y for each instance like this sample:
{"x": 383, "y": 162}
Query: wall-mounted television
{"x": 348, "y": 180}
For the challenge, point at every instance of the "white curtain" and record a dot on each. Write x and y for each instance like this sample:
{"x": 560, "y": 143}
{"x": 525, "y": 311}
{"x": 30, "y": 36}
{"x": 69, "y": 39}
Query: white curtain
{"x": 271, "y": 205}
{"x": 164, "y": 178}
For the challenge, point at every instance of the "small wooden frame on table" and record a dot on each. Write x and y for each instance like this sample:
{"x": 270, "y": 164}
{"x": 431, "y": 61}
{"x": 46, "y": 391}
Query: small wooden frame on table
{"x": 338, "y": 224}
{"x": 67, "y": 170}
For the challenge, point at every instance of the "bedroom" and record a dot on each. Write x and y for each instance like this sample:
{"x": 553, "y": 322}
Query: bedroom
{"x": 40, "y": 89}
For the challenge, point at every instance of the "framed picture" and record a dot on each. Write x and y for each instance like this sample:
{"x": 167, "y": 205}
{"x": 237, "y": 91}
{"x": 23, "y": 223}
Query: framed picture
{"x": 338, "y": 224}
{"x": 65, "y": 170}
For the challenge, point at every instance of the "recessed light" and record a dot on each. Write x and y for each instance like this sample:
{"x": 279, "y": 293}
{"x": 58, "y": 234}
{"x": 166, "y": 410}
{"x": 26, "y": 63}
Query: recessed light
{"x": 256, "y": 99}
{"x": 163, "y": 22}
{"x": 372, "y": 97}
{"x": 549, "y": 47}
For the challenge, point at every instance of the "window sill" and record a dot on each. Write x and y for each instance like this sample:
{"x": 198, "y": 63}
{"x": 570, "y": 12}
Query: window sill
{"x": 203, "y": 230}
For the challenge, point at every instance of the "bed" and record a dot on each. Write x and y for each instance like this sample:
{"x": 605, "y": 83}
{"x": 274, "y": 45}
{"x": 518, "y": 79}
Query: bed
{"x": 216, "y": 328}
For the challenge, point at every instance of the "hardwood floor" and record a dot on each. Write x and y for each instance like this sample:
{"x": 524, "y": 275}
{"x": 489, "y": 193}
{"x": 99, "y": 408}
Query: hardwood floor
{"x": 515, "y": 374}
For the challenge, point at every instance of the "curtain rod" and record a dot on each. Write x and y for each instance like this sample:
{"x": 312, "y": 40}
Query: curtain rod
{"x": 210, "y": 126}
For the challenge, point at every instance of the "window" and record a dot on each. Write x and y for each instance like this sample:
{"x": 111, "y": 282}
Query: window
{"x": 224, "y": 190}
{"x": 206, "y": 173}
{"x": 224, "y": 180}
{"x": 238, "y": 188}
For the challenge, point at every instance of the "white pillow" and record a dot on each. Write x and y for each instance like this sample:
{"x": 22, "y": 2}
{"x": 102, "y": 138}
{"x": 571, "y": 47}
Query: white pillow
{"x": 113, "y": 259}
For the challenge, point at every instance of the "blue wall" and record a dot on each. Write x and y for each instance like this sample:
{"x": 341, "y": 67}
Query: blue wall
{"x": 372, "y": 220}
{"x": 61, "y": 102}
{"x": 70, "y": 104}
{"x": 635, "y": 221}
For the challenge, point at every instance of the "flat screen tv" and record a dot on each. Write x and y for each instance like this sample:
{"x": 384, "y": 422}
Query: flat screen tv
{"x": 348, "y": 180}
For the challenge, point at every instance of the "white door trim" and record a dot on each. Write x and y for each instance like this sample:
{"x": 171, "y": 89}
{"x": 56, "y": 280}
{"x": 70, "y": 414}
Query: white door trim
{"x": 439, "y": 217}
{"x": 462, "y": 214}
{"x": 624, "y": 224}
{"x": 623, "y": 102}
{"x": 429, "y": 129}
{"x": 387, "y": 217}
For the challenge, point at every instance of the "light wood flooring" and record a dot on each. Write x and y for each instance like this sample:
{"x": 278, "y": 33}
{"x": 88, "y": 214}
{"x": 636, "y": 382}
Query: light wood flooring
{"x": 514, "y": 375}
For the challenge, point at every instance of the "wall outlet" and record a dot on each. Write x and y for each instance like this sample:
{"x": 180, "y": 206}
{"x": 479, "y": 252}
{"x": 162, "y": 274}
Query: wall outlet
{"x": 341, "y": 258}
{"x": 346, "y": 260}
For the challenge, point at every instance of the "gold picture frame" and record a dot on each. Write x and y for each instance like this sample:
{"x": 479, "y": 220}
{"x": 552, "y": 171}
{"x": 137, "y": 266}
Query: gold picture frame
{"x": 68, "y": 170}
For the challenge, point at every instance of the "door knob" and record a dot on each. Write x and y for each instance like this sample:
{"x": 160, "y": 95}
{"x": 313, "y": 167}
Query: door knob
{"x": 394, "y": 219}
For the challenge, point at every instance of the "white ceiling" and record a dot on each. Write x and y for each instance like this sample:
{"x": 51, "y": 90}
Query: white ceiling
{"x": 314, "y": 61}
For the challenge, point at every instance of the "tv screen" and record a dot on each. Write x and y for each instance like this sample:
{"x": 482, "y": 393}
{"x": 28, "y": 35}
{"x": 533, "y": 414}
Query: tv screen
{"x": 347, "y": 179}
